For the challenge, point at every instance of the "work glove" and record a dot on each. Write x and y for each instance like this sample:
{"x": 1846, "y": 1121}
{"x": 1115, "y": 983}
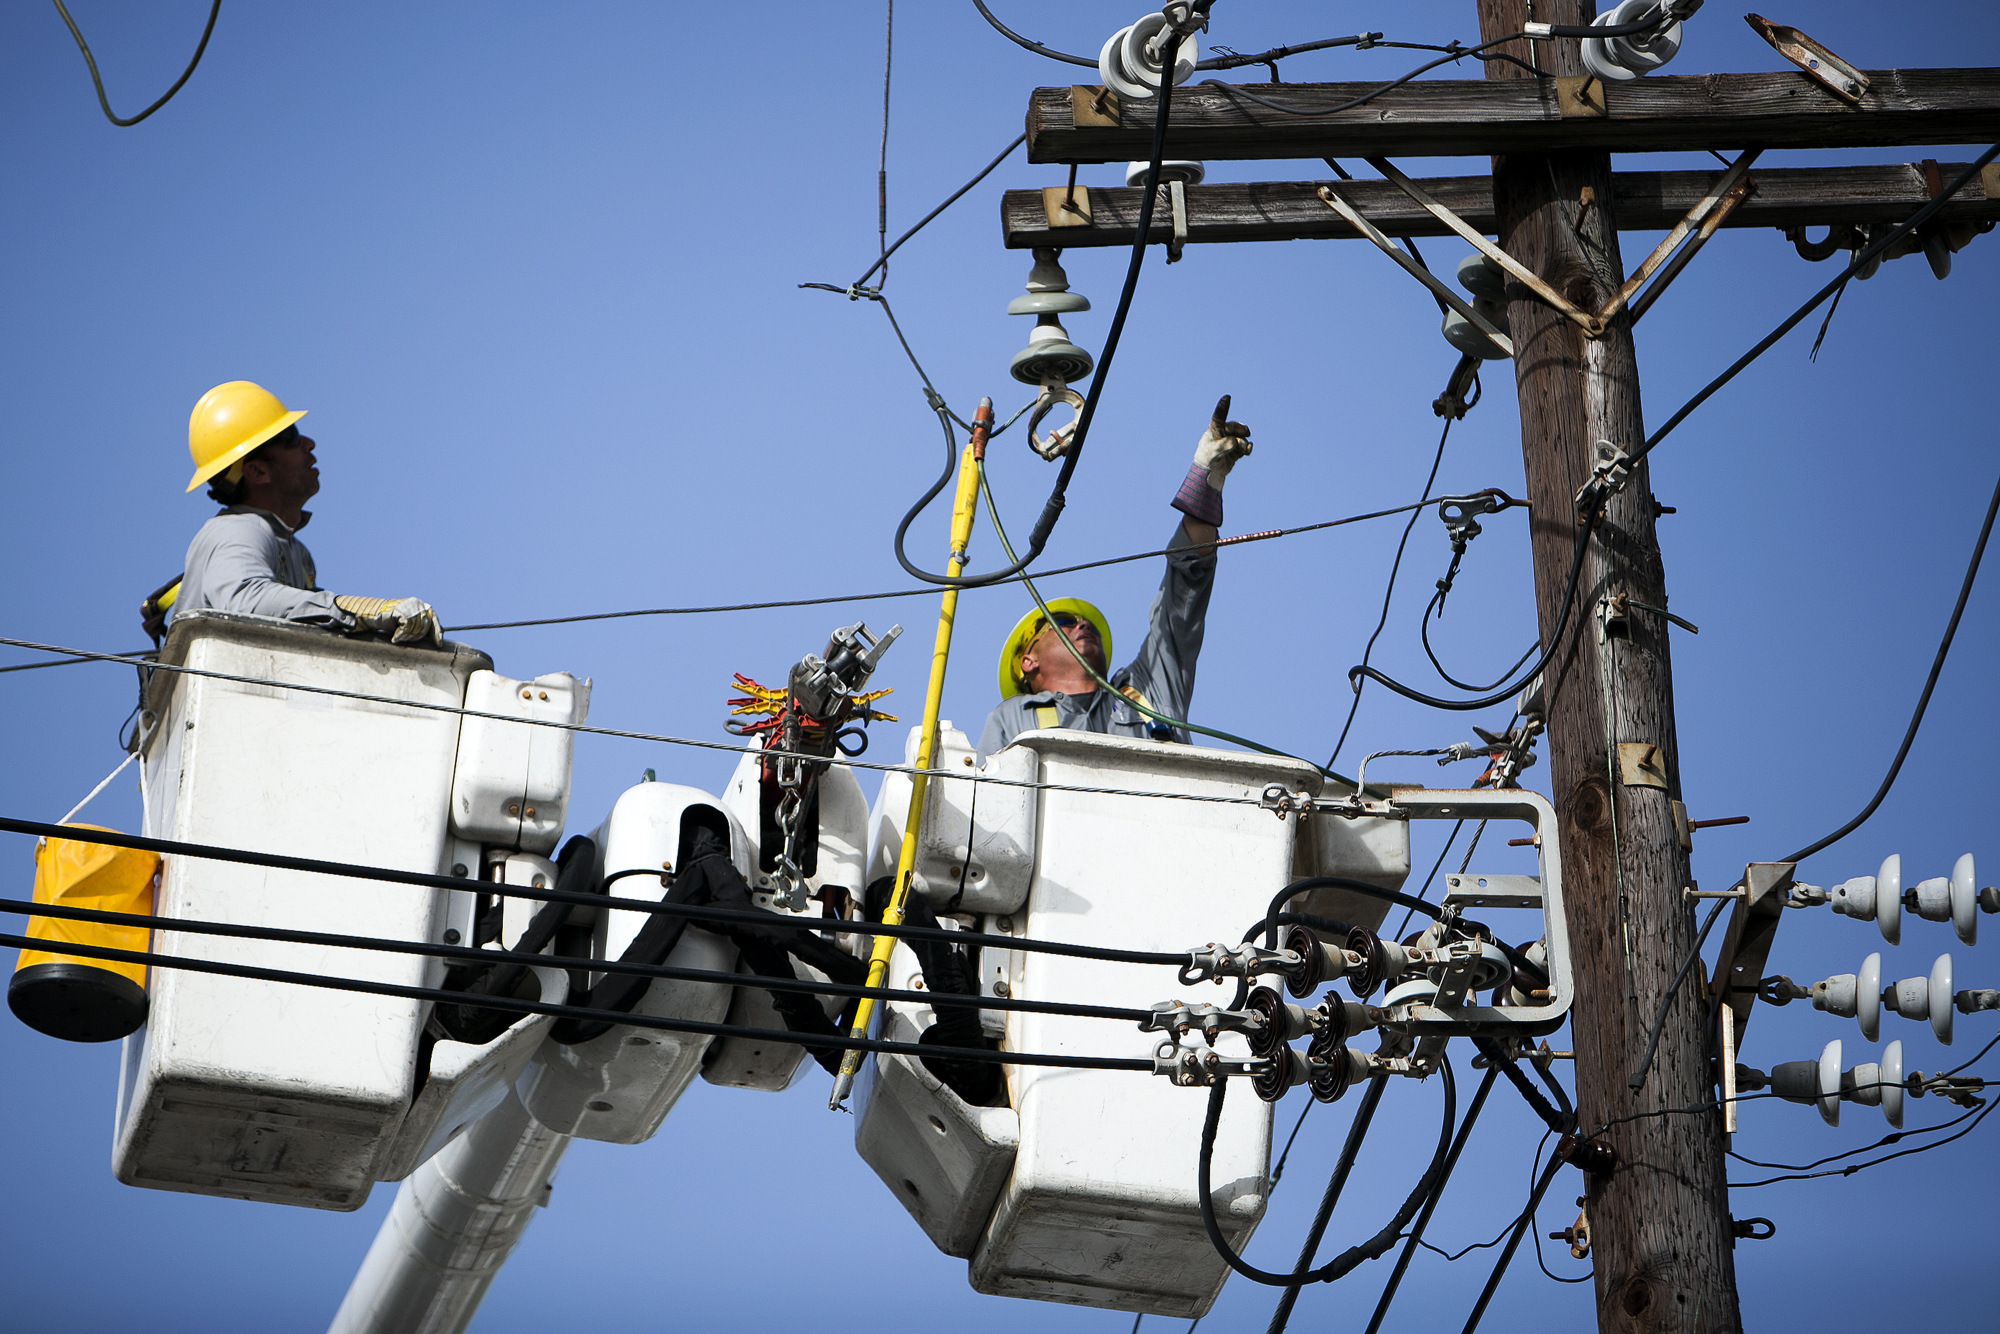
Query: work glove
{"x": 1223, "y": 443}
{"x": 400, "y": 620}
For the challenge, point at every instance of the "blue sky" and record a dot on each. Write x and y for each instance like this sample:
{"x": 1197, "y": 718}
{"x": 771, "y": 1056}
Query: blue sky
{"x": 533, "y": 270}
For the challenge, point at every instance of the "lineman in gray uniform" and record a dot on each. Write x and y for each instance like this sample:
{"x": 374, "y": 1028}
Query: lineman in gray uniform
{"x": 1041, "y": 682}
{"x": 248, "y": 448}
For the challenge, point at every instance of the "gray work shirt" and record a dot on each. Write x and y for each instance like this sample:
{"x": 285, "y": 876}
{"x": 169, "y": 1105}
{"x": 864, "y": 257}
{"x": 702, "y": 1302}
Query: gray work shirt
{"x": 1163, "y": 672}
{"x": 247, "y": 560}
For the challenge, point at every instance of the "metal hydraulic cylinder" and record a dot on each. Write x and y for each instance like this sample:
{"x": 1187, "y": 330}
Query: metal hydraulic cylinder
{"x": 454, "y": 1223}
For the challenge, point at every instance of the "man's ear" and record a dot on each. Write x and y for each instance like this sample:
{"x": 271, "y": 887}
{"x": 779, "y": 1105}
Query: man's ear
{"x": 262, "y": 471}
{"x": 1025, "y": 667}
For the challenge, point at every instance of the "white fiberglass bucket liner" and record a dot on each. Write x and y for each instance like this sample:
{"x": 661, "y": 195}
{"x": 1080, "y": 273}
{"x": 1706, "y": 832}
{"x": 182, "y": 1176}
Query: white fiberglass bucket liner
{"x": 262, "y": 1090}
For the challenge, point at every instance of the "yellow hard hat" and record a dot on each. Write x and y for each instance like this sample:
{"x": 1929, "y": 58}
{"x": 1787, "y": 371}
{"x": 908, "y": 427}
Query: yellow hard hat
{"x": 228, "y": 422}
{"x": 1032, "y": 624}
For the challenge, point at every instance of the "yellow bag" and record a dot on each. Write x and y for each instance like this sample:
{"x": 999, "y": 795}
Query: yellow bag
{"x": 69, "y": 996}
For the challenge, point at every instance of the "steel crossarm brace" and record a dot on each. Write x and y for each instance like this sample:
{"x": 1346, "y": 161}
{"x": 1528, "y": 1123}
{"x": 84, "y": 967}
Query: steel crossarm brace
{"x": 1527, "y": 277}
{"x": 1331, "y": 195}
{"x": 1729, "y": 190}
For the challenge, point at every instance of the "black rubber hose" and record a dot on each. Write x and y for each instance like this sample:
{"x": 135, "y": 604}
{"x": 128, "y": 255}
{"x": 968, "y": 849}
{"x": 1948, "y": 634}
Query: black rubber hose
{"x": 1347, "y": 1260}
{"x": 1430, "y": 1206}
{"x": 1053, "y": 508}
{"x": 1357, "y": 1131}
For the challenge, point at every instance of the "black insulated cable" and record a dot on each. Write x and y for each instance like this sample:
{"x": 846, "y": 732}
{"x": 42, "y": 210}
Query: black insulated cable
{"x": 1230, "y": 61}
{"x": 98, "y": 82}
{"x": 1417, "y": 1229}
{"x": 576, "y": 1012}
{"x": 1052, "y": 509}
{"x": 1923, "y": 699}
{"x": 1347, "y": 1260}
{"x": 1861, "y": 260}
{"x": 467, "y": 954}
{"x": 1389, "y": 590}
{"x": 1526, "y": 1221}
{"x": 422, "y": 880}
{"x": 1350, "y": 1149}
{"x": 1548, "y": 656}
{"x": 1312, "y": 882}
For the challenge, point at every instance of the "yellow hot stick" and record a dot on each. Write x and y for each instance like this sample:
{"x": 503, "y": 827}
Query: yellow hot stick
{"x": 961, "y": 533}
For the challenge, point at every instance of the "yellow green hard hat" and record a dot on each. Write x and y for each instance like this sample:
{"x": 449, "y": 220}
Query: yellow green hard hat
{"x": 1032, "y": 624}
{"x": 228, "y": 422}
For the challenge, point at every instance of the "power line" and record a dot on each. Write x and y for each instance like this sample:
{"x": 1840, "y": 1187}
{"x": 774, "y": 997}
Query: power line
{"x": 515, "y": 1005}
{"x": 624, "y": 734}
{"x": 98, "y": 82}
{"x": 603, "y": 901}
{"x": 1924, "y": 698}
{"x": 1389, "y": 592}
{"x": 467, "y": 954}
{"x": 1861, "y": 259}
{"x": 930, "y": 592}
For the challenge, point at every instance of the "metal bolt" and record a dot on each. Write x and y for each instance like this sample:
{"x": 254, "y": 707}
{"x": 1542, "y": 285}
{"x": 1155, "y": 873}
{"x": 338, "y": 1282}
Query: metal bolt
{"x": 1006, "y": 925}
{"x": 545, "y": 694}
{"x": 458, "y": 869}
{"x": 451, "y": 937}
{"x": 1002, "y": 990}
{"x": 531, "y": 812}
{"x": 916, "y": 984}
{"x": 514, "y": 808}
{"x": 525, "y": 694}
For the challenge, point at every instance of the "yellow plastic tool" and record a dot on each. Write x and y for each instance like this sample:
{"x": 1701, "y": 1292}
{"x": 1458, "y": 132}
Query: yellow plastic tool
{"x": 962, "y": 503}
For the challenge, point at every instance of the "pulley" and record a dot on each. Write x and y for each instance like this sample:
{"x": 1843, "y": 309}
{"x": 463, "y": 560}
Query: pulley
{"x": 1130, "y": 62}
{"x": 1620, "y": 59}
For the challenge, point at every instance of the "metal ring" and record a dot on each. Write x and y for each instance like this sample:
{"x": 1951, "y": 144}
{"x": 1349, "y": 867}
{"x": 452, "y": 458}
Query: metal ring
{"x": 1057, "y": 442}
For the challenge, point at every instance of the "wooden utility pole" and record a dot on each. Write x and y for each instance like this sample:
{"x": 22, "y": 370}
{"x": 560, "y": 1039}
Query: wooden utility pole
{"x": 1659, "y": 1215}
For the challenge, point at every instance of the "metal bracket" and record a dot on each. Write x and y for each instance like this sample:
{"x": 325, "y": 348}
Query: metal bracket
{"x": 1420, "y": 1020}
{"x": 1821, "y": 65}
{"x": 1066, "y": 205}
{"x": 1493, "y": 891}
{"x": 1333, "y": 200}
{"x": 1641, "y": 765}
{"x": 1729, "y": 190}
{"x": 1607, "y": 479}
{"x": 1591, "y": 324}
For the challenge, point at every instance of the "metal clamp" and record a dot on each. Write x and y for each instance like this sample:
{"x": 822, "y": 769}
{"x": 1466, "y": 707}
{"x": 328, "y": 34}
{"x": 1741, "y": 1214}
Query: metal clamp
{"x": 1192, "y": 1068}
{"x": 1213, "y": 963}
{"x": 1181, "y": 1018}
{"x": 1057, "y": 442}
{"x": 1607, "y": 479}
